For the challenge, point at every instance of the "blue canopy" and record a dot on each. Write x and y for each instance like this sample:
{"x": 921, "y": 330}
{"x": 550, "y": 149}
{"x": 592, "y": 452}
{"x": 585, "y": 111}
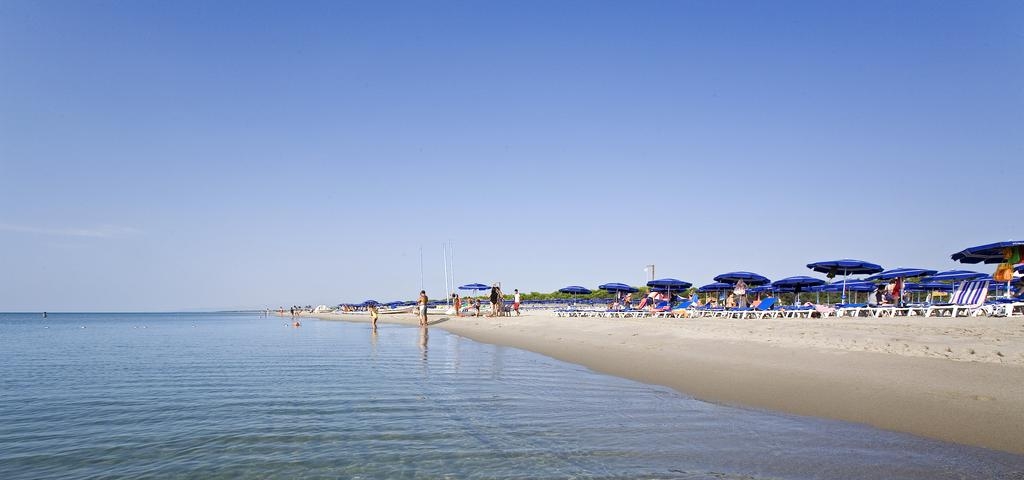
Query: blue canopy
{"x": 991, "y": 253}
{"x": 994, "y": 285}
{"x": 954, "y": 276}
{"x": 798, "y": 282}
{"x": 717, "y": 287}
{"x": 669, "y": 284}
{"x": 475, "y": 286}
{"x": 575, "y": 290}
{"x": 845, "y": 267}
{"x": 945, "y": 287}
{"x": 902, "y": 273}
{"x": 749, "y": 278}
{"x": 851, "y": 286}
{"x": 367, "y": 303}
{"x": 618, "y": 287}
{"x": 759, "y": 289}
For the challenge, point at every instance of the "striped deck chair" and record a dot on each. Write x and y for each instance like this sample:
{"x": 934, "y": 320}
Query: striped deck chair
{"x": 967, "y": 297}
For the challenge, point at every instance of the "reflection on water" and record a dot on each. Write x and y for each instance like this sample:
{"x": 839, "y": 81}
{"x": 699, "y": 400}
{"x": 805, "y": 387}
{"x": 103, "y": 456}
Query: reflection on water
{"x": 424, "y": 338}
{"x": 220, "y": 396}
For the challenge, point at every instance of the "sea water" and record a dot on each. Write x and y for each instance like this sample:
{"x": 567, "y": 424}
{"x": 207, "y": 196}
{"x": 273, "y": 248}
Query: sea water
{"x": 244, "y": 396}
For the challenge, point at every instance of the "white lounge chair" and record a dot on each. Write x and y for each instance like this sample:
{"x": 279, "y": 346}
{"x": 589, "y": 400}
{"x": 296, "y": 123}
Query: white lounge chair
{"x": 968, "y": 297}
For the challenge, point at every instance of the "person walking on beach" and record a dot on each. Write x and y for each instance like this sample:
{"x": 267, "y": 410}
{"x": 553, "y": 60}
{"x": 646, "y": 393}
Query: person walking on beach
{"x": 516, "y": 300}
{"x": 741, "y": 293}
{"x": 458, "y": 304}
{"x": 423, "y": 307}
{"x": 373, "y": 316}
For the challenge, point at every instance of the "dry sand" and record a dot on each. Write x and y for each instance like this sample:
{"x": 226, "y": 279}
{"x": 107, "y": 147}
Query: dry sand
{"x": 959, "y": 380}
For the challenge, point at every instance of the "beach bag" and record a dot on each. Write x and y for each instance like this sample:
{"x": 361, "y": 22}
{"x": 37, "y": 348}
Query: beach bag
{"x": 1004, "y": 273}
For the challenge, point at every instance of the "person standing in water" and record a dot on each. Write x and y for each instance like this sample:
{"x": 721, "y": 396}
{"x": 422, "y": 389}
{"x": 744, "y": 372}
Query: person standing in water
{"x": 423, "y": 307}
{"x": 373, "y": 316}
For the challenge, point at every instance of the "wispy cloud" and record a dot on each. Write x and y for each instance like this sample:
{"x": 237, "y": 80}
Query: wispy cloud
{"x": 102, "y": 231}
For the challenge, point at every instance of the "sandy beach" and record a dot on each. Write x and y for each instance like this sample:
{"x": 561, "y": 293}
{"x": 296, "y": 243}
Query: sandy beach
{"x": 958, "y": 380}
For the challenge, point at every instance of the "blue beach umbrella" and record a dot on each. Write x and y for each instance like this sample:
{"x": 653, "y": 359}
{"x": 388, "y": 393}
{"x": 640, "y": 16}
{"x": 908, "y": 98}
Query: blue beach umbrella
{"x": 852, "y": 286}
{"x": 715, "y": 287}
{"x": 945, "y": 287}
{"x": 618, "y": 288}
{"x": 990, "y": 253}
{"x": 902, "y": 273}
{"x": 669, "y": 285}
{"x": 845, "y": 267}
{"x": 953, "y": 276}
{"x": 575, "y": 290}
{"x": 760, "y": 289}
{"x": 749, "y": 278}
{"x": 797, "y": 283}
{"x": 718, "y": 287}
{"x": 474, "y": 286}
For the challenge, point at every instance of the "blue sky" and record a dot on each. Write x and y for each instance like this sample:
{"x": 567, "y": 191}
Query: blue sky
{"x": 176, "y": 155}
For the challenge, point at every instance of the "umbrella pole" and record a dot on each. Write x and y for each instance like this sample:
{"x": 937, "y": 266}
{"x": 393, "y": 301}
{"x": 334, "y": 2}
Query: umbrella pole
{"x": 845, "y": 276}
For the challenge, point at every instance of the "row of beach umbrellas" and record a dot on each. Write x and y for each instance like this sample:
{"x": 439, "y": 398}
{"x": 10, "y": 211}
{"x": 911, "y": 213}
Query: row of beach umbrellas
{"x": 989, "y": 254}
{"x": 931, "y": 279}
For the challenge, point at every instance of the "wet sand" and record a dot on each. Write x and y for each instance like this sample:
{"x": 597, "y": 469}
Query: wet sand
{"x": 959, "y": 380}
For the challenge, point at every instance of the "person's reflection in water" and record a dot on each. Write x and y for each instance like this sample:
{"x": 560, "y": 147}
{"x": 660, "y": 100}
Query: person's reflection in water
{"x": 373, "y": 341}
{"x": 424, "y": 337}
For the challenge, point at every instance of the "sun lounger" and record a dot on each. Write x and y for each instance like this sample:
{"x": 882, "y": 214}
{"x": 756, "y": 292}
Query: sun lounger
{"x": 1003, "y": 307}
{"x": 683, "y": 309}
{"x": 801, "y": 311}
{"x": 851, "y": 309}
{"x": 762, "y": 310}
{"x": 967, "y": 298}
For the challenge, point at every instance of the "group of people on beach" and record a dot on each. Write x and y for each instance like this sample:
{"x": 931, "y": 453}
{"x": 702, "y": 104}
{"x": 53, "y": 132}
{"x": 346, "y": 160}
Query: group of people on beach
{"x": 497, "y": 300}
{"x": 891, "y": 293}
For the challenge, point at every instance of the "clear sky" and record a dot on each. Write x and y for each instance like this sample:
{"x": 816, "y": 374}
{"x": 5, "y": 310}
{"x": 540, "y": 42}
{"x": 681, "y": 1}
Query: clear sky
{"x": 174, "y": 155}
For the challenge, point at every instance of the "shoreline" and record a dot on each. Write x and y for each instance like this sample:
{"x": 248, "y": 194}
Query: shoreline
{"x": 893, "y": 374}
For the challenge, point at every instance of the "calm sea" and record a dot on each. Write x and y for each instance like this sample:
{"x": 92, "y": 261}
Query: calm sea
{"x": 240, "y": 396}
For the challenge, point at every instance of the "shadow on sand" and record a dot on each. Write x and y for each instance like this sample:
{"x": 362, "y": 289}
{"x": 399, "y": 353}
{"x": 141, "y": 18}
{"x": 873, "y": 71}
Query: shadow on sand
{"x": 440, "y": 320}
